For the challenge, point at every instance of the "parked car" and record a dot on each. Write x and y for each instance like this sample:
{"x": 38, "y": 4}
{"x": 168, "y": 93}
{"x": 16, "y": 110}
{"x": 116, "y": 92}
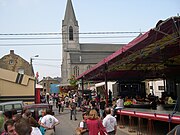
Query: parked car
{"x": 18, "y": 105}
{"x": 37, "y": 108}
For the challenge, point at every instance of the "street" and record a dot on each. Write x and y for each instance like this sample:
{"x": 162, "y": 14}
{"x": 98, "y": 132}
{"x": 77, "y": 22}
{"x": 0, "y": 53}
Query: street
{"x": 67, "y": 126}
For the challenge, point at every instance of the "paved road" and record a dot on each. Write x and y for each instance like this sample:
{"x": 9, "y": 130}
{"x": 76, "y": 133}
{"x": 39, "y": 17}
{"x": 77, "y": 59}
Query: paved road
{"x": 67, "y": 126}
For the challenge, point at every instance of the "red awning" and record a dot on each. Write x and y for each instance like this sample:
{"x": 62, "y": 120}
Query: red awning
{"x": 145, "y": 56}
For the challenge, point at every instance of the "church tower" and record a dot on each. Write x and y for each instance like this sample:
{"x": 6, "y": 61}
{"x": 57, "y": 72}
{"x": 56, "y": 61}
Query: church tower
{"x": 70, "y": 40}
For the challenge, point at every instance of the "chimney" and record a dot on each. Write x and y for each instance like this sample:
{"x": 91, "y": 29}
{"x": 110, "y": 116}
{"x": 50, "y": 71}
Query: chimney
{"x": 11, "y": 51}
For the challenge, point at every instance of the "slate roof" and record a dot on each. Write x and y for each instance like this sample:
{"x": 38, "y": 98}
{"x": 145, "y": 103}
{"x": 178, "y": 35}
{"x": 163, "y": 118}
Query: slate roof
{"x": 93, "y": 53}
{"x": 100, "y": 47}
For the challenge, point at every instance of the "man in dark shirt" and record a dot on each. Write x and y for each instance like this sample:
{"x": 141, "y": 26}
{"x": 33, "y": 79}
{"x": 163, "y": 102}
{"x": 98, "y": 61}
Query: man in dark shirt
{"x": 102, "y": 106}
{"x": 93, "y": 103}
{"x": 72, "y": 107}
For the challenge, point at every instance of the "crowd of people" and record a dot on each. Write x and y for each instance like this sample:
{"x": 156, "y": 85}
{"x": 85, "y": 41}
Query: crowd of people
{"x": 92, "y": 124}
{"x": 97, "y": 117}
{"x": 25, "y": 124}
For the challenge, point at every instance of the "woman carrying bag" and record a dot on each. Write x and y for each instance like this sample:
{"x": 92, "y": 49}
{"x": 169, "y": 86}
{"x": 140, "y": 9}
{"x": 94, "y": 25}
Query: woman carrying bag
{"x": 94, "y": 124}
{"x": 82, "y": 129}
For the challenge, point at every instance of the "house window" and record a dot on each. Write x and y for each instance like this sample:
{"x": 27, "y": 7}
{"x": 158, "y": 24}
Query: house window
{"x": 21, "y": 70}
{"x": 11, "y": 62}
{"x": 161, "y": 87}
{"x": 44, "y": 84}
{"x": 76, "y": 71}
{"x": 88, "y": 67}
{"x": 70, "y": 33}
{"x": 151, "y": 87}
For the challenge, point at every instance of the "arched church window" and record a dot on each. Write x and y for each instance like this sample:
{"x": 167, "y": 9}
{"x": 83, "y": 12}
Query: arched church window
{"x": 88, "y": 67}
{"x": 70, "y": 33}
{"x": 76, "y": 71}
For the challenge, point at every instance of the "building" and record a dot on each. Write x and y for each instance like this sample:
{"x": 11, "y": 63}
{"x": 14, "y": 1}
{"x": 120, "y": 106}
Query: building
{"x": 156, "y": 87}
{"x": 17, "y": 80}
{"x": 78, "y": 57}
{"x": 15, "y": 86}
{"x": 16, "y": 63}
{"x": 47, "y": 81}
{"x": 100, "y": 88}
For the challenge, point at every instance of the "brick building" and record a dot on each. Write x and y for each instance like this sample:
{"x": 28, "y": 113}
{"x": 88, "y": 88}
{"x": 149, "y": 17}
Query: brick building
{"x": 17, "y": 81}
{"x": 47, "y": 81}
{"x": 16, "y": 63}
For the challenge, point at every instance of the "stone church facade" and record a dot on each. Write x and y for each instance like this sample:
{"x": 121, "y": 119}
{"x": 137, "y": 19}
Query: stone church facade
{"x": 78, "y": 57}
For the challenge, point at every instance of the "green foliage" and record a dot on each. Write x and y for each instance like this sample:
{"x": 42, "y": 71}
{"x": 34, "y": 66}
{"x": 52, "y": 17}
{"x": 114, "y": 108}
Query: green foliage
{"x": 73, "y": 81}
{"x": 127, "y": 103}
{"x": 1, "y": 121}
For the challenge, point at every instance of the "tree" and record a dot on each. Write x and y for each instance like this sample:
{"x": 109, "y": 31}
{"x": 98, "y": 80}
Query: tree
{"x": 73, "y": 81}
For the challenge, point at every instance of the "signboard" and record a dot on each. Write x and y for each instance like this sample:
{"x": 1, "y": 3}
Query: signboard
{"x": 54, "y": 88}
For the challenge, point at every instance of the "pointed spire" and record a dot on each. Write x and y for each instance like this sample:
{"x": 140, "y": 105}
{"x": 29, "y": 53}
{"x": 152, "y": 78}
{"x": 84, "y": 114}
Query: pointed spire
{"x": 69, "y": 14}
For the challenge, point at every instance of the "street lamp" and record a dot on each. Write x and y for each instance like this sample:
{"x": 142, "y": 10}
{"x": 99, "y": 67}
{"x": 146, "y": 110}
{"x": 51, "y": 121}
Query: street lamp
{"x": 35, "y": 80}
{"x": 31, "y": 59}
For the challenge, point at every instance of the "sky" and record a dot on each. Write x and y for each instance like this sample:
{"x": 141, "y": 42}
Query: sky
{"x": 45, "y": 16}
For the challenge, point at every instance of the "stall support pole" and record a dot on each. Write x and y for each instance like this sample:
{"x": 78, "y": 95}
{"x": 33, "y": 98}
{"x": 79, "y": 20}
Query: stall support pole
{"x": 106, "y": 89}
{"x": 82, "y": 87}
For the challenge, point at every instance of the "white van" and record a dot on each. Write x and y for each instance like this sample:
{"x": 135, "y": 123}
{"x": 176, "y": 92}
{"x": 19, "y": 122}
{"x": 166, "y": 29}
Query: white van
{"x": 18, "y": 105}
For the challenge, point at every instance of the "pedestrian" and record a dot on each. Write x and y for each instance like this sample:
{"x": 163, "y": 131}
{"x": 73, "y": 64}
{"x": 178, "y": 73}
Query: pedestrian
{"x": 9, "y": 128}
{"x": 47, "y": 97}
{"x": 42, "y": 129}
{"x": 102, "y": 105}
{"x": 17, "y": 117}
{"x": 14, "y": 112}
{"x": 51, "y": 103}
{"x": 23, "y": 113}
{"x": 49, "y": 122}
{"x": 119, "y": 105}
{"x": 59, "y": 105}
{"x": 22, "y": 127}
{"x": 79, "y": 101}
{"x": 31, "y": 119}
{"x": 94, "y": 123}
{"x": 62, "y": 105}
{"x": 83, "y": 129}
{"x": 175, "y": 131}
{"x": 7, "y": 115}
{"x": 93, "y": 104}
{"x": 67, "y": 101}
{"x": 109, "y": 122}
{"x": 57, "y": 100}
{"x": 72, "y": 107}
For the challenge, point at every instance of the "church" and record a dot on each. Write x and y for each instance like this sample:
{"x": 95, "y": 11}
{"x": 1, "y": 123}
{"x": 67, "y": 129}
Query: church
{"x": 79, "y": 57}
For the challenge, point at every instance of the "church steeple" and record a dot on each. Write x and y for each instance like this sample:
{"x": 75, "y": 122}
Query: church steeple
{"x": 70, "y": 40}
{"x": 70, "y": 29}
{"x": 69, "y": 14}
